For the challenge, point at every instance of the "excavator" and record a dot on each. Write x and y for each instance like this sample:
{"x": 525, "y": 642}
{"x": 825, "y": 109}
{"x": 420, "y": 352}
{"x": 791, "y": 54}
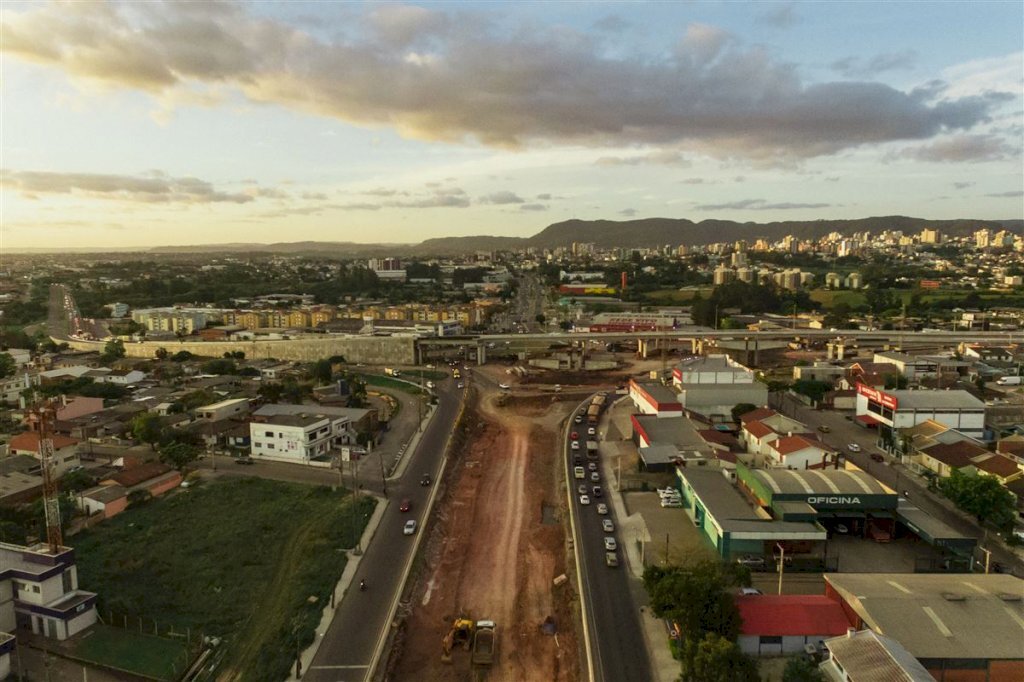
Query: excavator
{"x": 461, "y": 632}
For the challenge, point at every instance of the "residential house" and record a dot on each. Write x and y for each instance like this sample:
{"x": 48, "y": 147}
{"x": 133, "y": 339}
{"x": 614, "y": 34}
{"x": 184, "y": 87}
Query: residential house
{"x": 78, "y": 406}
{"x": 156, "y": 478}
{"x": 225, "y": 409}
{"x": 799, "y": 452}
{"x": 108, "y": 500}
{"x": 299, "y": 433}
{"x": 65, "y": 450}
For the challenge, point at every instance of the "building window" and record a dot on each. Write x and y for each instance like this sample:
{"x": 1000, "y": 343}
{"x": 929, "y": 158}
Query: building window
{"x": 257, "y": 445}
{"x": 268, "y": 434}
{"x": 270, "y": 446}
{"x": 770, "y": 639}
{"x": 35, "y": 588}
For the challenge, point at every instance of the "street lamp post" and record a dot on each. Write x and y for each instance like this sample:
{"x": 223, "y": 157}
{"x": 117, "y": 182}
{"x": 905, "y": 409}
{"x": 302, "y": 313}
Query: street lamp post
{"x": 782, "y": 563}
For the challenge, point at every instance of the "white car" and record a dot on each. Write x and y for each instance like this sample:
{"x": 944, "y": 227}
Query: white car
{"x": 609, "y": 544}
{"x": 575, "y": 445}
{"x": 606, "y": 525}
{"x": 503, "y": 387}
{"x": 584, "y": 499}
{"x": 591, "y": 431}
{"x": 602, "y": 509}
{"x": 410, "y": 527}
{"x": 853, "y": 447}
{"x": 595, "y": 477}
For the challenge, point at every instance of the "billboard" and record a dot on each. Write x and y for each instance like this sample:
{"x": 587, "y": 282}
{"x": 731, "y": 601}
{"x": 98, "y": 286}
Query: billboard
{"x": 876, "y": 396}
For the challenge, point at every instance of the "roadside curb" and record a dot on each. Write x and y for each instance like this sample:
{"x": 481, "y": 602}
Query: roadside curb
{"x": 406, "y": 455}
{"x": 584, "y": 607}
{"x": 341, "y": 587}
{"x": 633, "y": 522}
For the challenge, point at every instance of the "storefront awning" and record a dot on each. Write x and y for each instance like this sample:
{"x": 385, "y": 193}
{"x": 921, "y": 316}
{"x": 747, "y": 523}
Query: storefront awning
{"x": 867, "y": 420}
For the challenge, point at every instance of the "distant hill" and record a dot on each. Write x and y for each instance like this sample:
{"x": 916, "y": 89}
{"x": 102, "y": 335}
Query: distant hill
{"x": 440, "y": 246}
{"x": 649, "y": 232}
{"x": 294, "y": 248}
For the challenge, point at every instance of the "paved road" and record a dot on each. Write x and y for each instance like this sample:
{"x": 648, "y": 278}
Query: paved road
{"x": 618, "y": 649}
{"x": 896, "y": 476}
{"x": 348, "y": 645}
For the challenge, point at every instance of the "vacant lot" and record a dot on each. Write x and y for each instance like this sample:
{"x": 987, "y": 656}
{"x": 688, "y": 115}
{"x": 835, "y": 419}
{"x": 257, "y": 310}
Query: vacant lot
{"x": 156, "y": 657}
{"x": 251, "y": 561}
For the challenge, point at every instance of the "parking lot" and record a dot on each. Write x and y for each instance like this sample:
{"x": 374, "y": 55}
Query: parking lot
{"x": 673, "y": 537}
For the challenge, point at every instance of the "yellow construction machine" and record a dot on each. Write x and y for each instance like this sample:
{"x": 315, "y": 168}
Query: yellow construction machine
{"x": 461, "y": 633}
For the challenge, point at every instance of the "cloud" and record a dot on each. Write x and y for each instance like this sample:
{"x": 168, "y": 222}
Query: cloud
{"x": 494, "y": 82}
{"x": 544, "y": 197}
{"x": 662, "y": 156}
{"x": 628, "y": 212}
{"x": 959, "y": 149}
{"x": 1007, "y": 195}
{"x": 962, "y": 185}
{"x": 854, "y": 67}
{"x": 694, "y": 181}
{"x": 783, "y": 16}
{"x": 612, "y": 23}
{"x": 503, "y": 197}
{"x": 532, "y": 207}
{"x": 151, "y": 187}
{"x": 757, "y": 205}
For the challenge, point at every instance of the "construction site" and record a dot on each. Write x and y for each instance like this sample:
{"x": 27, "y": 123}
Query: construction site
{"x": 494, "y": 597}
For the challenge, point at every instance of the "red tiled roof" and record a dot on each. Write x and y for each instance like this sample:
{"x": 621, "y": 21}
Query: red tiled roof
{"x": 997, "y": 465}
{"x": 716, "y": 436}
{"x": 758, "y": 429}
{"x": 790, "y": 444}
{"x": 30, "y": 441}
{"x": 956, "y": 455}
{"x": 791, "y": 615}
{"x": 143, "y": 472}
{"x": 1014, "y": 447}
{"x": 757, "y": 415}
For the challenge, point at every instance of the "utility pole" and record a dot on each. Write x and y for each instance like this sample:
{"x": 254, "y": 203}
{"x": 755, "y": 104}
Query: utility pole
{"x": 782, "y": 563}
{"x": 383, "y": 480}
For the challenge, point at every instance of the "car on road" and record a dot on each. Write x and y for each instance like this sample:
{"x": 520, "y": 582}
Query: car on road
{"x": 609, "y": 544}
{"x": 595, "y": 477}
{"x": 824, "y": 429}
{"x": 602, "y": 508}
{"x": 751, "y": 561}
{"x": 425, "y": 480}
{"x": 578, "y": 419}
{"x": 405, "y": 506}
{"x": 584, "y": 499}
{"x": 611, "y": 559}
{"x": 592, "y": 466}
{"x": 574, "y": 436}
{"x": 750, "y": 591}
{"x": 461, "y": 385}
{"x": 582, "y": 490}
{"x": 575, "y": 445}
{"x": 841, "y": 529}
{"x": 853, "y": 447}
{"x": 591, "y": 431}
{"x": 503, "y": 387}
{"x": 244, "y": 460}
{"x": 410, "y": 527}
{"x": 596, "y": 490}
{"x": 607, "y": 526}
{"x": 876, "y": 457}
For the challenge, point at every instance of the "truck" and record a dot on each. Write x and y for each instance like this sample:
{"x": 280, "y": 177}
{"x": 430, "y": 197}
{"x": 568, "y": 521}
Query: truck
{"x": 593, "y": 414}
{"x": 391, "y": 372}
{"x": 1010, "y": 381}
{"x": 484, "y": 640}
{"x": 592, "y": 449}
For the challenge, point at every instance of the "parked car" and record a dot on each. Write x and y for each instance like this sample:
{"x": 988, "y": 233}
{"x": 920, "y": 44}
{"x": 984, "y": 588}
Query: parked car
{"x": 244, "y": 460}
{"x": 841, "y": 529}
{"x": 602, "y": 508}
{"x": 824, "y": 429}
{"x": 503, "y": 387}
{"x": 584, "y": 499}
{"x": 410, "y": 527}
{"x": 751, "y": 561}
{"x": 853, "y": 447}
{"x": 877, "y": 457}
{"x": 405, "y": 506}
{"x": 750, "y": 591}
{"x": 606, "y": 524}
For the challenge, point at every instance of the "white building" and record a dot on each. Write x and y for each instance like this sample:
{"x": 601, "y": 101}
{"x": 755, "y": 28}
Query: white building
{"x": 12, "y": 386}
{"x": 653, "y": 398}
{"x": 799, "y": 452}
{"x": 225, "y": 409}
{"x": 712, "y": 385}
{"x": 889, "y": 410}
{"x": 299, "y": 433}
{"x": 122, "y": 377}
{"x": 39, "y": 590}
{"x": 913, "y": 367}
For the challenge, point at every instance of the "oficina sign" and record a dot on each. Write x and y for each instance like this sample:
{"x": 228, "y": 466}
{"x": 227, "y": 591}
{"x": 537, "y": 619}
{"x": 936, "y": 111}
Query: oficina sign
{"x": 843, "y": 500}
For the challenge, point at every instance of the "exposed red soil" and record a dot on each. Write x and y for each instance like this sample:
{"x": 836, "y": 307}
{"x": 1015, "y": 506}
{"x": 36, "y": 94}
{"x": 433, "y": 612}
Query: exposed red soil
{"x": 490, "y": 556}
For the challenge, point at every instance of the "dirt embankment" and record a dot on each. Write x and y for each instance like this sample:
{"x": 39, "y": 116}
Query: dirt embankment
{"x": 497, "y": 544}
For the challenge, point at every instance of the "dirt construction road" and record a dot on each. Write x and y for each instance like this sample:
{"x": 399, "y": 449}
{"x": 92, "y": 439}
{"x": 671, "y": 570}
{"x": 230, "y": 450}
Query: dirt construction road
{"x": 497, "y": 544}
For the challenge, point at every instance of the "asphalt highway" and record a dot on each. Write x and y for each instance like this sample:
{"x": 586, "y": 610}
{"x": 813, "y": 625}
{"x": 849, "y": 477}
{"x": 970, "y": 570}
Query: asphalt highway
{"x": 348, "y": 645}
{"x": 618, "y": 649}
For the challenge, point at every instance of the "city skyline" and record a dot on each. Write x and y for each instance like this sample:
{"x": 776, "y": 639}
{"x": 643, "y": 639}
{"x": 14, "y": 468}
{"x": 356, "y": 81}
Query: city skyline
{"x": 143, "y": 125}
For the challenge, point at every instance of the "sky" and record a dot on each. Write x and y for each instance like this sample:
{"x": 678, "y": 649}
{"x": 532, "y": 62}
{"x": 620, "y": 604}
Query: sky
{"x": 147, "y": 123}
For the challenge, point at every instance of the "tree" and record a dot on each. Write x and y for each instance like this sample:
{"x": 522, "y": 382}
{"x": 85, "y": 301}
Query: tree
{"x": 77, "y": 480}
{"x": 801, "y": 669}
{"x": 179, "y": 454}
{"x": 716, "y": 659}
{"x": 7, "y": 365}
{"x": 147, "y": 428}
{"x": 322, "y": 372}
{"x": 161, "y": 353}
{"x": 982, "y": 496}
{"x": 696, "y": 597}
{"x": 113, "y": 350}
{"x": 270, "y": 392}
{"x": 741, "y": 409}
{"x": 182, "y": 356}
{"x": 219, "y": 367}
{"x": 540, "y": 318}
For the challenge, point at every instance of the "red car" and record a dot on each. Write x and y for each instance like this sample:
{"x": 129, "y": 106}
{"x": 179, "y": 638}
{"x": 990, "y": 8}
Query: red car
{"x": 405, "y": 506}
{"x": 574, "y": 435}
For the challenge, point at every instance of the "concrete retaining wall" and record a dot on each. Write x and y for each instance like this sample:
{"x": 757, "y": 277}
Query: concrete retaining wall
{"x": 374, "y": 350}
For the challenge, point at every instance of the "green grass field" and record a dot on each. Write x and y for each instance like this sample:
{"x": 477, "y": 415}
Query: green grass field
{"x": 393, "y": 384}
{"x": 127, "y": 650}
{"x": 674, "y": 296}
{"x": 237, "y": 559}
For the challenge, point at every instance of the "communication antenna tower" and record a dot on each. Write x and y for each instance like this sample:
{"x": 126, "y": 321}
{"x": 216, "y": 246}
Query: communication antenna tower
{"x": 41, "y": 419}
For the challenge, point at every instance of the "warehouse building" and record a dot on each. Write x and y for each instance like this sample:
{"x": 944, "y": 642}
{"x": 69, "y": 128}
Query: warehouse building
{"x": 891, "y": 410}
